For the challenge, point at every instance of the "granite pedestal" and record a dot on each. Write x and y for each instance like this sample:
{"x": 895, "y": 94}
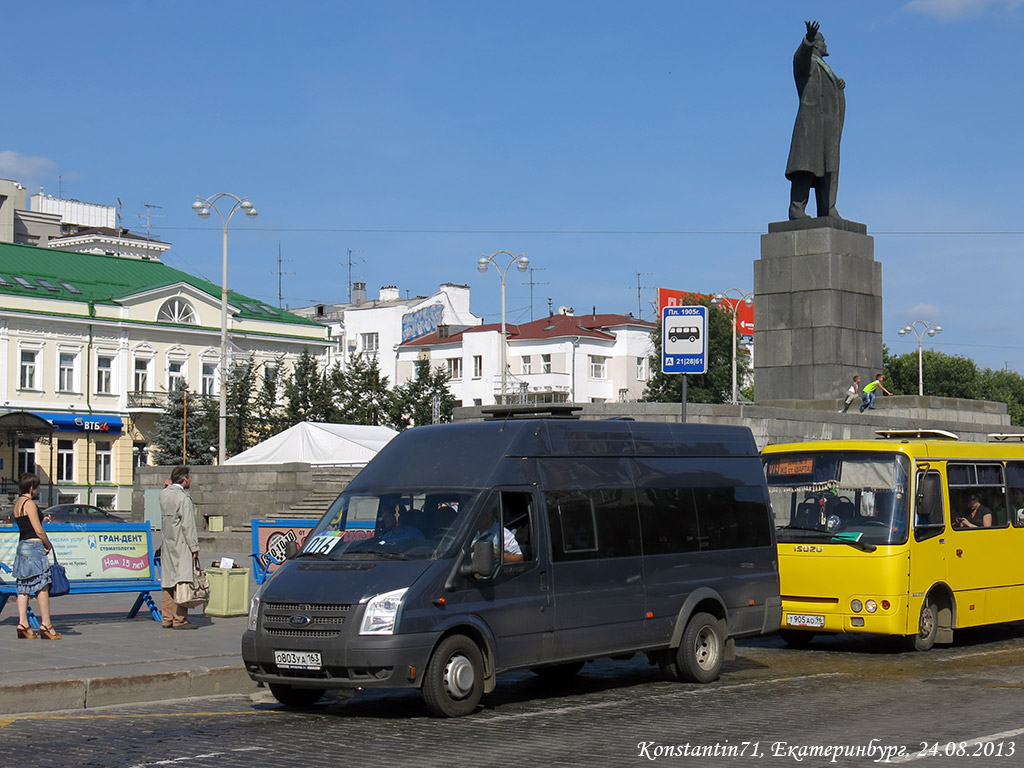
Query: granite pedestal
{"x": 818, "y": 312}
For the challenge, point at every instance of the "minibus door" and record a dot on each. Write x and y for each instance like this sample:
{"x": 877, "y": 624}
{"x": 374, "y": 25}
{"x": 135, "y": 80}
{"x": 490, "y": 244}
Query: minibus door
{"x": 515, "y": 602}
{"x": 928, "y": 545}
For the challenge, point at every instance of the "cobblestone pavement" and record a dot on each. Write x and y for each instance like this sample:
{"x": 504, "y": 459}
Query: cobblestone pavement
{"x": 775, "y": 704}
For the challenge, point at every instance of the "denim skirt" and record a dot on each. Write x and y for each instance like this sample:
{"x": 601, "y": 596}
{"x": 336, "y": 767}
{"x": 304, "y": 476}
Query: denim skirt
{"x": 31, "y": 567}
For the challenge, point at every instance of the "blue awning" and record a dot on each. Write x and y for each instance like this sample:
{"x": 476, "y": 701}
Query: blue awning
{"x": 100, "y": 423}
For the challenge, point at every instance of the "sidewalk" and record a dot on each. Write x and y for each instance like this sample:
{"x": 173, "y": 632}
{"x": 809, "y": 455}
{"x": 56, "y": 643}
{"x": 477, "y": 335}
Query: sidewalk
{"x": 104, "y": 658}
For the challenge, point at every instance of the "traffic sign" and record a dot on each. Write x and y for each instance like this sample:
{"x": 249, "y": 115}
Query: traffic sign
{"x": 684, "y": 339}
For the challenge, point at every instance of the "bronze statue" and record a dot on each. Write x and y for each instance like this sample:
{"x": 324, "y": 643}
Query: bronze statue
{"x": 814, "y": 151}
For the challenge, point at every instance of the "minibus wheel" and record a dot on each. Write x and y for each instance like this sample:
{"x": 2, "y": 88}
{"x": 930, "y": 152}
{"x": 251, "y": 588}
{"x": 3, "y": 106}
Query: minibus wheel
{"x": 927, "y": 627}
{"x": 700, "y": 654}
{"x": 291, "y": 696}
{"x": 454, "y": 681}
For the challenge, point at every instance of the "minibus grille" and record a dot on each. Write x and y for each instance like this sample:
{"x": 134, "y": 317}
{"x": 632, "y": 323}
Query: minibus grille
{"x": 310, "y": 620}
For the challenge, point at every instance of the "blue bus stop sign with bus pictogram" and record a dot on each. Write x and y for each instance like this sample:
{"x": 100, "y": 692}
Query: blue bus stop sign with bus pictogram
{"x": 684, "y": 339}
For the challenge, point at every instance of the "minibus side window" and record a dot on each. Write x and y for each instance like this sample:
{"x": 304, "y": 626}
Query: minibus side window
{"x": 586, "y": 525}
{"x": 668, "y": 519}
{"x": 733, "y": 517}
{"x": 977, "y": 496}
{"x": 1015, "y": 491}
{"x": 928, "y": 520}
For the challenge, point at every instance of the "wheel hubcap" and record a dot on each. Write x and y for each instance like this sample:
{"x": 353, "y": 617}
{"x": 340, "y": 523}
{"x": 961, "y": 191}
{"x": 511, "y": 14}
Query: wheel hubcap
{"x": 927, "y": 621}
{"x": 705, "y": 649}
{"x": 458, "y": 676}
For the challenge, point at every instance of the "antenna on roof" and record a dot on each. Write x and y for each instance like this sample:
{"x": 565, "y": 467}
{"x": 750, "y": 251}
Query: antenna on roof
{"x": 350, "y": 263}
{"x": 120, "y": 213}
{"x": 280, "y": 297}
{"x": 531, "y": 282}
{"x": 150, "y": 215}
{"x": 639, "y": 298}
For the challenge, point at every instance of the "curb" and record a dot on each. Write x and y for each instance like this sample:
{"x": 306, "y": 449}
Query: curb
{"x": 91, "y": 692}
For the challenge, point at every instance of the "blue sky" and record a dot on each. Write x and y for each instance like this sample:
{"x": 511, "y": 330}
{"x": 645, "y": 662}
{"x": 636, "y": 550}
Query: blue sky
{"x": 603, "y": 139}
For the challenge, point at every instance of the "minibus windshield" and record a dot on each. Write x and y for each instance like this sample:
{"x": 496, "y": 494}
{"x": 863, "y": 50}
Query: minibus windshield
{"x": 407, "y": 524}
{"x": 860, "y": 498}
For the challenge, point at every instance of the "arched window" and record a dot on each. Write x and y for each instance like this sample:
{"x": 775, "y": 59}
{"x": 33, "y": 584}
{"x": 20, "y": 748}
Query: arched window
{"x": 177, "y": 311}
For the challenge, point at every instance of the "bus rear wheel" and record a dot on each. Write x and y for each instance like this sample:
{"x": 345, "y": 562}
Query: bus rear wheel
{"x": 702, "y": 649}
{"x": 927, "y": 627}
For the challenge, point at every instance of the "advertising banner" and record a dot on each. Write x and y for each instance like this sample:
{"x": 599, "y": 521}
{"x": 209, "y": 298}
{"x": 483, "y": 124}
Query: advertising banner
{"x": 270, "y": 537}
{"x": 668, "y": 297}
{"x": 94, "y": 550}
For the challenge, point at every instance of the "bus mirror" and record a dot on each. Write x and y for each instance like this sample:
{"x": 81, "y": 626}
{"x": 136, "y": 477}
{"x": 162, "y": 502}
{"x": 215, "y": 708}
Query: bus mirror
{"x": 291, "y": 549}
{"x": 481, "y": 561}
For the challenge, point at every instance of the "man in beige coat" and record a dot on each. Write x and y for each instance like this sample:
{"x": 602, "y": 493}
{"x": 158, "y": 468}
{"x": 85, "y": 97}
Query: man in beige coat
{"x": 180, "y": 549}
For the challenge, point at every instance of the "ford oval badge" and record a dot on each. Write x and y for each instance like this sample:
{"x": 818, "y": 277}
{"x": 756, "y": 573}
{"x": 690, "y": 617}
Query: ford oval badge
{"x": 300, "y": 621}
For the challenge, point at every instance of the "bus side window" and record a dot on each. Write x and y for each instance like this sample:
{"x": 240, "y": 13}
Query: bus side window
{"x": 928, "y": 520}
{"x": 1015, "y": 488}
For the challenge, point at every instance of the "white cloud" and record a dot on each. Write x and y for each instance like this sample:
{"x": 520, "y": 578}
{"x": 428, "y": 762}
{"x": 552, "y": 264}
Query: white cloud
{"x": 923, "y": 312}
{"x": 24, "y": 169}
{"x": 947, "y": 10}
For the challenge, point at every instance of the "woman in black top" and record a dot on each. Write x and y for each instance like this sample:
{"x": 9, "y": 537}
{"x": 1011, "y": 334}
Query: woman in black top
{"x": 31, "y": 563}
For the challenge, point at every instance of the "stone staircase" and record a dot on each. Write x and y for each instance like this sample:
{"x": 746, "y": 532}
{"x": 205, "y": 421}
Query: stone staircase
{"x": 328, "y": 482}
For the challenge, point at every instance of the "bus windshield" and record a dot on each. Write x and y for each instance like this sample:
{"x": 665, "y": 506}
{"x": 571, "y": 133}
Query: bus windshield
{"x": 410, "y": 524}
{"x": 839, "y": 496}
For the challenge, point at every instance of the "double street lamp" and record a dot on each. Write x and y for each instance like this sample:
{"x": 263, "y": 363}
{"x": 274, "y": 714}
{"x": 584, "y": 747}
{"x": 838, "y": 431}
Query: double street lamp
{"x": 926, "y": 328}
{"x": 734, "y": 306}
{"x": 522, "y": 264}
{"x": 202, "y": 207}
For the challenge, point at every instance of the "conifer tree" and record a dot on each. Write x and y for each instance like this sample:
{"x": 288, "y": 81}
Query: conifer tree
{"x": 182, "y": 430}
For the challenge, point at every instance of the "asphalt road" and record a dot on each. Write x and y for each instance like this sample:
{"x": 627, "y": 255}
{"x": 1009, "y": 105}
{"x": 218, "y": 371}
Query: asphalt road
{"x": 846, "y": 702}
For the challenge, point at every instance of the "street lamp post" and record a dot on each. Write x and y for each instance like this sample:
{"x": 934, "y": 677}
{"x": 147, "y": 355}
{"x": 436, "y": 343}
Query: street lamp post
{"x": 202, "y": 207}
{"x": 734, "y": 306}
{"x": 522, "y": 264}
{"x": 926, "y": 328}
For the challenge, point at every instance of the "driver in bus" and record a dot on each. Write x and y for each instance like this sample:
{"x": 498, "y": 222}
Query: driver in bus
{"x": 979, "y": 516}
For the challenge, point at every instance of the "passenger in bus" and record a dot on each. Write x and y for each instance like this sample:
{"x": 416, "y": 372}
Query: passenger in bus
{"x": 395, "y": 529}
{"x": 978, "y": 516}
{"x": 488, "y": 529}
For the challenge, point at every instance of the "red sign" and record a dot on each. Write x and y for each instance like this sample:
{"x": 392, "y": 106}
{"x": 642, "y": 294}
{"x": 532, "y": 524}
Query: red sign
{"x": 668, "y": 297}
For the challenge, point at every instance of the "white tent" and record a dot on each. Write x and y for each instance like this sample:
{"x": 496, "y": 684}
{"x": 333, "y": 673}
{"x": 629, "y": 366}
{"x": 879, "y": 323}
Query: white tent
{"x": 315, "y": 443}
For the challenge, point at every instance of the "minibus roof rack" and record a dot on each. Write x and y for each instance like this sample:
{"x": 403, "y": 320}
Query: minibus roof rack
{"x": 917, "y": 434}
{"x": 1000, "y": 436}
{"x": 545, "y": 411}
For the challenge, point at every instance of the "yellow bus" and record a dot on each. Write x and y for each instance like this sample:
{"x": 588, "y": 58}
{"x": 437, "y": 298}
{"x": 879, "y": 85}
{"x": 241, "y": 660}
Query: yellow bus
{"x": 914, "y": 534}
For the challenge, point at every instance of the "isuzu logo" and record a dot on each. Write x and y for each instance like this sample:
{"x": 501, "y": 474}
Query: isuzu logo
{"x": 300, "y": 621}
{"x": 808, "y": 548}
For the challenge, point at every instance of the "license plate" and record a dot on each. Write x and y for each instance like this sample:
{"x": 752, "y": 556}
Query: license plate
{"x": 804, "y": 620}
{"x": 297, "y": 659}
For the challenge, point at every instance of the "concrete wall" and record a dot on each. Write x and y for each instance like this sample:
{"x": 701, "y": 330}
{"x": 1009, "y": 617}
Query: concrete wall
{"x": 238, "y": 493}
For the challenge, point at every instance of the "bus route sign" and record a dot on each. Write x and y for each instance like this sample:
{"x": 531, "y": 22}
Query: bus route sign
{"x": 684, "y": 339}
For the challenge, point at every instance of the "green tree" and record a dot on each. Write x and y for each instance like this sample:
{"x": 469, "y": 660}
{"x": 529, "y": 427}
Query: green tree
{"x": 716, "y": 385}
{"x": 361, "y": 394}
{"x": 240, "y": 427}
{"x": 184, "y": 419}
{"x": 269, "y": 418}
{"x": 306, "y": 394}
{"x": 944, "y": 375}
{"x": 414, "y": 400}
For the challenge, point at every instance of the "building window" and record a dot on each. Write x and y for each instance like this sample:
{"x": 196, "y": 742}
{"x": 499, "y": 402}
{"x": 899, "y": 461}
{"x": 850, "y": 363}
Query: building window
{"x": 65, "y": 461}
{"x": 371, "y": 342}
{"x": 641, "y": 369}
{"x": 454, "y": 367}
{"x": 104, "y": 374}
{"x": 177, "y": 311}
{"x": 141, "y": 375}
{"x": 175, "y": 375}
{"x": 66, "y": 372}
{"x": 105, "y": 500}
{"x": 545, "y": 363}
{"x": 598, "y": 366}
{"x": 209, "y": 378}
{"x": 104, "y": 461}
{"x": 26, "y": 456}
{"x": 28, "y": 369}
{"x": 270, "y": 374}
{"x": 478, "y": 366}
{"x": 140, "y": 455}
{"x": 527, "y": 365}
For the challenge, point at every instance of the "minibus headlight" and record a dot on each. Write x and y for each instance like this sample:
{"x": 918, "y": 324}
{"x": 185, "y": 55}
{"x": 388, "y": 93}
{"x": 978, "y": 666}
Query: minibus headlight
{"x": 382, "y": 613}
{"x": 856, "y": 606}
{"x": 871, "y": 606}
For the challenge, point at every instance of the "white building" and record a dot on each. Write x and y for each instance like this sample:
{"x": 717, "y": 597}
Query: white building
{"x": 592, "y": 358}
{"x": 378, "y": 327}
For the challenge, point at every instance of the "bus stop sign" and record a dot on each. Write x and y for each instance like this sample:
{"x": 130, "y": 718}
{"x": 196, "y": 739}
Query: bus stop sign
{"x": 684, "y": 339}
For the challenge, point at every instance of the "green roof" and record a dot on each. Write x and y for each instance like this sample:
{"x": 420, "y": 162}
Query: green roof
{"x": 99, "y": 279}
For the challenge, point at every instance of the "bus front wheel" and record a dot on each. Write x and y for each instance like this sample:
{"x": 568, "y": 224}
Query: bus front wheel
{"x": 927, "y": 627}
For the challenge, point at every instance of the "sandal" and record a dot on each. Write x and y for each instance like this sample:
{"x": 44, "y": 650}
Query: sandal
{"x": 26, "y": 633}
{"x": 48, "y": 632}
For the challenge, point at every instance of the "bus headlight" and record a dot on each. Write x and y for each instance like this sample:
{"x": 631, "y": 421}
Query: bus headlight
{"x": 871, "y": 606}
{"x": 382, "y": 613}
{"x": 856, "y": 606}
